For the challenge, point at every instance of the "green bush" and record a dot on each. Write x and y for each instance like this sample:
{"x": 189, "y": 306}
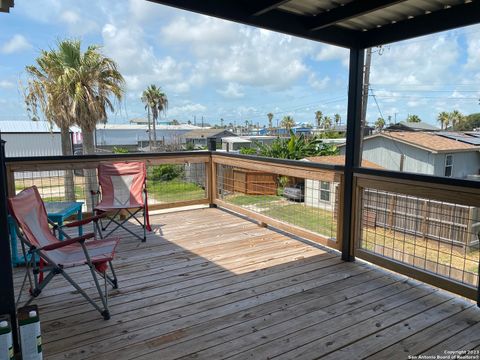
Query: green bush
{"x": 166, "y": 172}
{"x": 120, "y": 150}
{"x": 248, "y": 151}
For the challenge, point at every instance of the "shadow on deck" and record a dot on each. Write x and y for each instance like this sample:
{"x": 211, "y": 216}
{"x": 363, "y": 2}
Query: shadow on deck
{"x": 211, "y": 285}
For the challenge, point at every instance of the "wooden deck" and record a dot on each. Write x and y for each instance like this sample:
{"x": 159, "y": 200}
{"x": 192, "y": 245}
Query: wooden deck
{"x": 211, "y": 285}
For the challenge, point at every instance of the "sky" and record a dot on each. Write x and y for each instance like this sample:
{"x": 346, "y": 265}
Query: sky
{"x": 217, "y": 69}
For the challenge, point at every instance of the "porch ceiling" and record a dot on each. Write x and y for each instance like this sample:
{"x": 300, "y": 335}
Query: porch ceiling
{"x": 346, "y": 23}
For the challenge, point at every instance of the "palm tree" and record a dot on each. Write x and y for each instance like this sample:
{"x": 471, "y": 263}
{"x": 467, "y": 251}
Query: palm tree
{"x": 288, "y": 122}
{"x": 380, "y": 124}
{"x": 221, "y": 122}
{"x": 80, "y": 88}
{"x": 456, "y": 118}
{"x": 444, "y": 119}
{"x": 155, "y": 102}
{"x": 413, "y": 118}
{"x": 270, "y": 120}
{"x": 42, "y": 92}
{"x": 337, "y": 119}
{"x": 318, "y": 118}
{"x": 327, "y": 122}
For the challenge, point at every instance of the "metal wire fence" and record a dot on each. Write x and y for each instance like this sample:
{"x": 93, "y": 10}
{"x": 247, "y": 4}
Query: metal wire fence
{"x": 439, "y": 237}
{"x": 166, "y": 183}
{"x": 305, "y": 203}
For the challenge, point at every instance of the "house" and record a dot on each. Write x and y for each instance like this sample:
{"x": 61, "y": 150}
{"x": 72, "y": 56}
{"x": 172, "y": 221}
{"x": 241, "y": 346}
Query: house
{"x": 322, "y": 194}
{"x": 423, "y": 152}
{"x": 411, "y": 126}
{"x": 199, "y": 137}
{"x": 235, "y": 143}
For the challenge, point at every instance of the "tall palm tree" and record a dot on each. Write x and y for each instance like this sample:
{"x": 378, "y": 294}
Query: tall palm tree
{"x": 337, "y": 119}
{"x": 443, "y": 118}
{"x": 327, "y": 122}
{"x": 87, "y": 84}
{"x": 318, "y": 118}
{"x": 42, "y": 93}
{"x": 270, "y": 120}
{"x": 288, "y": 122}
{"x": 413, "y": 118}
{"x": 155, "y": 102}
{"x": 456, "y": 118}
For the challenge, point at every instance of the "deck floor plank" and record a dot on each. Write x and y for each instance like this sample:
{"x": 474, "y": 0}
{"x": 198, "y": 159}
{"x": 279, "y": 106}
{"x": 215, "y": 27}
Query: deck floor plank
{"x": 209, "y": 284}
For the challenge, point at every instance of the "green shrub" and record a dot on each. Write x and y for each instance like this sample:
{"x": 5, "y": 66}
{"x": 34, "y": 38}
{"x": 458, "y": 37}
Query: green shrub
{"x": 166, "y": 172}
{"x": 248, "y": 151}
{"x": 120, "y": 150}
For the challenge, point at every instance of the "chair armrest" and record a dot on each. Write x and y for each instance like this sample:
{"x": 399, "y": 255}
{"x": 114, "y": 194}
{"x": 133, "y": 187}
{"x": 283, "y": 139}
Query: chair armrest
{"x": 84, "y": 221}
{"x": 59, "y": 244}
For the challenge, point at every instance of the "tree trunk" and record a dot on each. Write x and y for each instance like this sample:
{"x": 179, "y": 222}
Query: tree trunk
{"x": 149, "y": 130}
{"x": 68, "y": 181}
{"x": 91, "y": 183}
{"x": 154, "y": 133}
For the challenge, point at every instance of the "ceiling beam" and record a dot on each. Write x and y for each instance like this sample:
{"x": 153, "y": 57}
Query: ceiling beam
{"x": 264, "y": 6}
{"x": 349, "y": 11}
{"x": 441, "y": 20}
{"x": 5, "y": 5}
{"x": 280, "y": 21}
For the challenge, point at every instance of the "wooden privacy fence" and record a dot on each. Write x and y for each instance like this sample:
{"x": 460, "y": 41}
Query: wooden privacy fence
{"x": 443, "y": 221}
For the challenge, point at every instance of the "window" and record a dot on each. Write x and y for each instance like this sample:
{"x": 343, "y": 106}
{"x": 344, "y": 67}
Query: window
{"x": 448, "y": 165}
{"x": 325, "y": 191}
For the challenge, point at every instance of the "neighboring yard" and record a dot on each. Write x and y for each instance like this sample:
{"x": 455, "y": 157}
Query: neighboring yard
{"x": 174, "y": 190}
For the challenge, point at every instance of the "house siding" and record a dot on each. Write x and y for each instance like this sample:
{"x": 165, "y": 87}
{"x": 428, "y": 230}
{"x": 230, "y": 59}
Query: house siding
{"x": 387, "y": 153}
{"x": 464, "y": 164}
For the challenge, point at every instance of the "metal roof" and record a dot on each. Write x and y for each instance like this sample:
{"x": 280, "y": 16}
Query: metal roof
{"x": 348, "y": 23}
{"x": 27, "y": 127}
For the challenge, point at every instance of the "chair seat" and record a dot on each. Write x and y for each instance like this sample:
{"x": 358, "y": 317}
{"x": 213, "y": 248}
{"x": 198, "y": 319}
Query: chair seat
{"x": 73, "y": 255}
{"x": 102, "y": 206}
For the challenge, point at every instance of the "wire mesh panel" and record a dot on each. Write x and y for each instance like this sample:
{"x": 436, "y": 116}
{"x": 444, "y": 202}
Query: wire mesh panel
{"x": 166, "y": 183}
{"x": 169, "y": 183}
{"x": 310, "y": 204}
{"x": 435, "y": 236}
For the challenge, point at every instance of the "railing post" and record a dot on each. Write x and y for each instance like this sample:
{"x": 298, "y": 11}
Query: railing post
{"x": 212, "y": 173}
{"x": 7, "y": 291}
{"x": 353, "y": 149}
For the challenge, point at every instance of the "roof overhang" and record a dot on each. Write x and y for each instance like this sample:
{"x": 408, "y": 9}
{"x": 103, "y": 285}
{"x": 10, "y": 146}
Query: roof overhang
{"x": 5, "y": 5}
{"x": 347, "y": 23}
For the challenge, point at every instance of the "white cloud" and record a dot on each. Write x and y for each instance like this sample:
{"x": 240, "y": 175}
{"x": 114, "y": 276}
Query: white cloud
{"x": 5, "y": 84}
{"x": 17, "y": 43}
{"x": 187, "y": 111}
{"x": 417, "y": 62}
{"x": 318, "y": 84}
{"x": 77, "y": 24}
{"x": 232, "y": 91}
{"x": 231, "y": 53}
{"x": 331, "y": 53}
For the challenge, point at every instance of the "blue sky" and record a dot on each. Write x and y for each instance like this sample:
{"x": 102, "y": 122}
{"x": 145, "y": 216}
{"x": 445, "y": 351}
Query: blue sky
{"x": 217, "y": 69}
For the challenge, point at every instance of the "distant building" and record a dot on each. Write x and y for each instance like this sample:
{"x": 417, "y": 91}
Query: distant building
{"x": 33, "y": 138}
{"x": 423, "y": 152}
{"x": 199, "y": 137}
{"x": 411, "y": 126}
{"x": 144, "y": 121}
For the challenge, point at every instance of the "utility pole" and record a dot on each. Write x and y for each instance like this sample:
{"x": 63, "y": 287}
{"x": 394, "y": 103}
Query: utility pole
{"x": 366, "y": 85}
{"x": 195, "y": 120}
{"x": 202, "y": 121}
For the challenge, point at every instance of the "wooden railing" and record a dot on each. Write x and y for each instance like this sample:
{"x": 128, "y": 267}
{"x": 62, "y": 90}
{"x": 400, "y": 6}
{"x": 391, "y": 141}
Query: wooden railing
{"x": 419, "y": 226}
{"x": 426, "y": 230}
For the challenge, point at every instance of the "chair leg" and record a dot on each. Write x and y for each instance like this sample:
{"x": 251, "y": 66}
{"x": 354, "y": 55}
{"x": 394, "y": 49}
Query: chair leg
{"x": 144, "y": 225}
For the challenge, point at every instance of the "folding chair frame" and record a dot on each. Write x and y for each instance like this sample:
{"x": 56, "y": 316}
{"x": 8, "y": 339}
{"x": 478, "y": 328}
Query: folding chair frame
{"x": 121, "y": 224}
{"x": 36, "y": 286}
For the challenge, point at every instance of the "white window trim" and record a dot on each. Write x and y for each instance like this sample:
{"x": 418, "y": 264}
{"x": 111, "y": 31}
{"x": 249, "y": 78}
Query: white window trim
{"x": 450, "y": 166}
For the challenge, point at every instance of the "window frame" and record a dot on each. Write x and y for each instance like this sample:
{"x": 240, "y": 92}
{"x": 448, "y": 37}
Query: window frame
{"x": 448, "y": 167}
{"x": 322, "y": 191}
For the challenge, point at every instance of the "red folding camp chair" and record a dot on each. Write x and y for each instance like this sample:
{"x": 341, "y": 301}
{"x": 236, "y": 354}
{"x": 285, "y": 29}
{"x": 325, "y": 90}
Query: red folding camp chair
{"x": 122, "y": 188}
{"x": 54, "y": 255}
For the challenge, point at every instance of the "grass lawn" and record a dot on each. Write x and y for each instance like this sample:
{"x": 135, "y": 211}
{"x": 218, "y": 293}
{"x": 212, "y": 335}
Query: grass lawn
{"x": 260, "y": 201}
{"x": 174, "y": 190}
{"x": 277, "y": 207}
{"x": 307, "y": 217}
